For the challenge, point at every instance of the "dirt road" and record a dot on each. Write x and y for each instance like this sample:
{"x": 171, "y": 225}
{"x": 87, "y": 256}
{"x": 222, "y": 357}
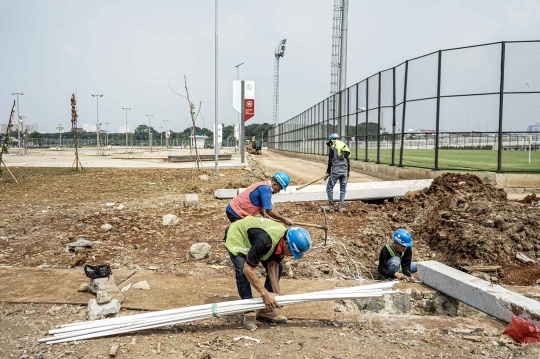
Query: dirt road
{"x": 300, "y": 170}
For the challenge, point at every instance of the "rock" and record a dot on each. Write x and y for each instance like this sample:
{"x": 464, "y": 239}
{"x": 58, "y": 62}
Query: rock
{"x": 81, "y": 242}
{"x": 84, "y": 287}
{"x": 109, "y": 204}
{"x": 4, "y": 238}
{"x": 106, "y": 227}
{"x": 153, "y": 268}
{"x": 482, "y": 275}
{"x": 204, "y": 177}
{"x": 170, "y": 220}
{"x": 83, "y": 226}
{"x": 103, "y": 297}
{"x": 96, "y": 311}
{"x": 416, "y": 294}
{"x": 136, "y": 246}
{"x": 525, "y": 259}
{"x": 114, "y": 220}
{"x": 192, "y": 200}
{"x": 134, "y": 229}
{"x": 199, "y": 251}
{"x": 114, "y": 350}
{"x": 446, "y": 215}
{"x": 108, "y": 285}
{"x": 120, "y": 207}
{"x": 142, "y": 285}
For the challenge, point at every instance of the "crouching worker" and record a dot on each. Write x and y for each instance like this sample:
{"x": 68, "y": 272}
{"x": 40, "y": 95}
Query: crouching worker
{"x": 395, "y": 259}
{"x": 252, "y": 240}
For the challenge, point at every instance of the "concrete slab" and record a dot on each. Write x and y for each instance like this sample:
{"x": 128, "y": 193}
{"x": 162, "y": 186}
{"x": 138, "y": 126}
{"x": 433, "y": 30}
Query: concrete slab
{"x": 480, "y": 294}
{"x": 355, "y": 191}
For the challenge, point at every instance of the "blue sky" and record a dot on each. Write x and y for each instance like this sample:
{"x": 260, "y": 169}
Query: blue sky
{"x": 129, "y": 50}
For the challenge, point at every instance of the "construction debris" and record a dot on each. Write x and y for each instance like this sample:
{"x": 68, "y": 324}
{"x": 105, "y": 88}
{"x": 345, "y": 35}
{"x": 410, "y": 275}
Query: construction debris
{"x": 170, "y": 220}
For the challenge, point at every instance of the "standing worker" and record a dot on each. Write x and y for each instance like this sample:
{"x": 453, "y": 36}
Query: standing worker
{"x": 338, "y": 169}
{"x": 257, "y": 198}
{"x": 251, "y": 241}
{"x": 395, "y": 259}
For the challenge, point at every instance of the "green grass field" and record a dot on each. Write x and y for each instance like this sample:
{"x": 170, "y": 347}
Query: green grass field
{"x": 466, "y": 160}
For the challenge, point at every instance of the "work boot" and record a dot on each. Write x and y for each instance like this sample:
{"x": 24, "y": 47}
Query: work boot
{"x": 271, "y": 317}
{"x": 329, "y": 208}
{"x": 340, "y": 208}
{"x": 249, "y": 321}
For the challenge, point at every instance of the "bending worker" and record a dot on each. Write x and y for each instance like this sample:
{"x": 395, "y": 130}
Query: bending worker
{"x": 251, "y": 241}
{"x": 395, "y": 259}
{"x": 257, "y": 198}
{"x": 338, "y": 169}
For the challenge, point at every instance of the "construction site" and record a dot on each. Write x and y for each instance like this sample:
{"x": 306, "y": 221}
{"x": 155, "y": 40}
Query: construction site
{"x": 55, "y": 221}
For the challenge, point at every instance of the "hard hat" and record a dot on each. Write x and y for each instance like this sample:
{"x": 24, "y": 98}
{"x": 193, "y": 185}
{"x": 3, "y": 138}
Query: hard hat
{"x": 299, "y": 241}
{"x": 283, "y": 179}
{"x": 333, "y": 136}
{"x": 403, "y": 237}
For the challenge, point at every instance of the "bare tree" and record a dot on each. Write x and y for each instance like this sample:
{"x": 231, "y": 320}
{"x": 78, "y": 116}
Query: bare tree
{"x": 6, "y": 142}
{"x": 77, "y": 165}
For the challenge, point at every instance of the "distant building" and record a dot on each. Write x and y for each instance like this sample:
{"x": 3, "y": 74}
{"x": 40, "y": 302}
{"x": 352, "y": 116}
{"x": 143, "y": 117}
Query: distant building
{"x": 89, "y": 127}
{"x": 122, "y": 129}
{"x": 3, "y": 127}
{"x": 30, "y": 127}
{"x": 534, "y": 128}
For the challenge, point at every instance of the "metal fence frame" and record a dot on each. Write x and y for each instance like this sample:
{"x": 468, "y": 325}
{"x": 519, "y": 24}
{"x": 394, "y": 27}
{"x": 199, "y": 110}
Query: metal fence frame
{"x": 307, "y": 132}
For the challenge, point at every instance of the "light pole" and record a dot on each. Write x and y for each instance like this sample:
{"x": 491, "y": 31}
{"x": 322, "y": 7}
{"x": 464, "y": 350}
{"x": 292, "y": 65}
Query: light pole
{"x": 107, "y": 138}
{"x": 216, "y": 93}
{"x": 161, "y": 134}
{"x": 126, "y": 108}
{"x": 97, "y": 119}
{"x": 60, "y": 128}
{"x": 238, "y": 78}
{"x": 279, "y": 52}
{"x": 18, "y": 118}
{"x": 149, "y": 132}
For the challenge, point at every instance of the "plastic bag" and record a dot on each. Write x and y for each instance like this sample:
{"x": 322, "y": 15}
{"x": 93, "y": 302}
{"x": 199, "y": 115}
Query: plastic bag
{"x": 522, "y": 331}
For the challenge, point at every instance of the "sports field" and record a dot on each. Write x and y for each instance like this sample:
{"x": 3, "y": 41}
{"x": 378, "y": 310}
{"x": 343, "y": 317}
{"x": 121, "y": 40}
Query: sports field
{"x": 481, "y": 160}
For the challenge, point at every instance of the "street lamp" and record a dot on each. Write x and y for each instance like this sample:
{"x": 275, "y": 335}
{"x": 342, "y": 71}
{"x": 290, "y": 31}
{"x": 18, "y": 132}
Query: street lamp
{"x": 238, "y": 78}
{"x": 18, "y": 118}
{"x": 97, "y": 120}
{"x": 107, "y": 129}
{"x": 278, "y": 52}
{"x": 149, "y": 132}
{"x": 126, "y": 108}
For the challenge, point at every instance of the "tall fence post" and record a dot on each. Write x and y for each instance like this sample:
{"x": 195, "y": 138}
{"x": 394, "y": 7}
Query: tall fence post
{"x": 347, "y": 126}
{"x": 437, "y": 117}
{"x": 403, "y": 117}
{"x": 392, "y": 163}
{"x": 356, "y": 126}
{"x": 379, "y": 123}
{"x": 501, "y": 101}
{"x": 366, "y": 159}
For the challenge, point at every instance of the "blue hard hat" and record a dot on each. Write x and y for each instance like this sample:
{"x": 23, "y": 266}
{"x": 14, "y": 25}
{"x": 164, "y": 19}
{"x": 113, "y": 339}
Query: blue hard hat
{"x": 283, "y": 179}
{"x": 403, "y": 237}
{"x": 333, "y": 136}
{"x": 299, "y": 241}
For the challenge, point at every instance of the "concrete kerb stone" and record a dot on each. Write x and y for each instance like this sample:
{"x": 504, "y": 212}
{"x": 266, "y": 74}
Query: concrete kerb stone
{"x": 192, "y": 200}
{"x": 480, "y": 294}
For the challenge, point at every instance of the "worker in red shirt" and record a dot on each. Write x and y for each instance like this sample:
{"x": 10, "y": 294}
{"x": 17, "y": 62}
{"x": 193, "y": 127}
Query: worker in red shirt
{"x": 257, "y": 198}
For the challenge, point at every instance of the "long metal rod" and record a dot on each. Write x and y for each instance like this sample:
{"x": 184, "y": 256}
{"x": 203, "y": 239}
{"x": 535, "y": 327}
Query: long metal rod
{"x": 379, "y": 123}
{"x": 216, "y": 146}
{"x": 501, "y": 102}
{"x": 403, "y": 116}
{"x": 438, "y": 113}
{"x": 343, "y": 55}
{"x": 241, "y": 129}
{"x": 393, "y": 116}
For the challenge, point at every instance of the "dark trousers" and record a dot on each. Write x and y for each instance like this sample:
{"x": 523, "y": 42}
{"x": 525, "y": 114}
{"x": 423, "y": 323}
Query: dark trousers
{"x": 232, "y": 218}
{"x": 242, "y": 283}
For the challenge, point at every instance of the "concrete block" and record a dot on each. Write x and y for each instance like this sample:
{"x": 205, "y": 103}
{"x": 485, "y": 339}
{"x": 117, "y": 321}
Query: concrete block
{"x": 227, "y": 193}
{"x": 192, "y": 200}
{"x": 480, "y": 294}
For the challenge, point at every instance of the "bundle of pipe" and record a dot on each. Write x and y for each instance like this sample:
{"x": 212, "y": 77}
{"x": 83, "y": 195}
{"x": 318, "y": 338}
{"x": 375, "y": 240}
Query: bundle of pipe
{"x": 132, "y": 323}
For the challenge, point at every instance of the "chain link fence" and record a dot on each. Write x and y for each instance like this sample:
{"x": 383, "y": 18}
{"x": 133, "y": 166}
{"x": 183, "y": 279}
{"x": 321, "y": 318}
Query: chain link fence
{"x": 468, "y": 108}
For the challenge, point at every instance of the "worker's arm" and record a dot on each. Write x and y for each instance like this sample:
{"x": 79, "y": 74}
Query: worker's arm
{"x": 330, "y": 156}
{"x": 273, "y": 275}
{"x": 383, "y": 258}
{"x": 280, "y": 218}
{"x": 406, "y": 264}
{"x": 268, "y": 298}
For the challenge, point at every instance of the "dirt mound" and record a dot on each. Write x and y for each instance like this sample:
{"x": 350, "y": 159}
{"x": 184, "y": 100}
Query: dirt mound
{"x": 530, "y": 199}
{"x": 469, "y": 222}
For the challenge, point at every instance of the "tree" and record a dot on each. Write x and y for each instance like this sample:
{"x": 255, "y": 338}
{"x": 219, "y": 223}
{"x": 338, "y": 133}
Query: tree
{"x": 36, "y": 134}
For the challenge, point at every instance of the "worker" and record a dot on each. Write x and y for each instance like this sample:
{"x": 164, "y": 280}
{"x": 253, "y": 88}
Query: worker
{"x": 338, "y": 169}
{"x": 257, "y": 198}
{"x": 395, "y": 259}
{"x": 255, "y": 240}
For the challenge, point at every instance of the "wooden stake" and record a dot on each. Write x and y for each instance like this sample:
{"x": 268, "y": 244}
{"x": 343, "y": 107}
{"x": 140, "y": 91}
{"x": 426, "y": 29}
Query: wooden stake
{"x": 9, "y": 171}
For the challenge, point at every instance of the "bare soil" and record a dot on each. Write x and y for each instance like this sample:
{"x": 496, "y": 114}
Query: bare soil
{"x": 458, "y": 221}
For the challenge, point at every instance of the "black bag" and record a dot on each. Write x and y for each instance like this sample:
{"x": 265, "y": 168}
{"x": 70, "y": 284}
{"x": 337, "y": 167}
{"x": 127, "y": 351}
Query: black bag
{"x": 99, "y": 271}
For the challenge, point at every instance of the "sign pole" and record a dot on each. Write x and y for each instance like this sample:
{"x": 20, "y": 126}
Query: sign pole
{"x": 242, "y": 142}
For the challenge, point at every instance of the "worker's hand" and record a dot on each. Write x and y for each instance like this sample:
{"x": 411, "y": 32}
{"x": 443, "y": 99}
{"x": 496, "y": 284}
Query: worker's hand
{"x": 288, "y": 222}
{"x": 400, "y": 276}
{"x": 410, "y": 279}
{"x": 270, "y": 301}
